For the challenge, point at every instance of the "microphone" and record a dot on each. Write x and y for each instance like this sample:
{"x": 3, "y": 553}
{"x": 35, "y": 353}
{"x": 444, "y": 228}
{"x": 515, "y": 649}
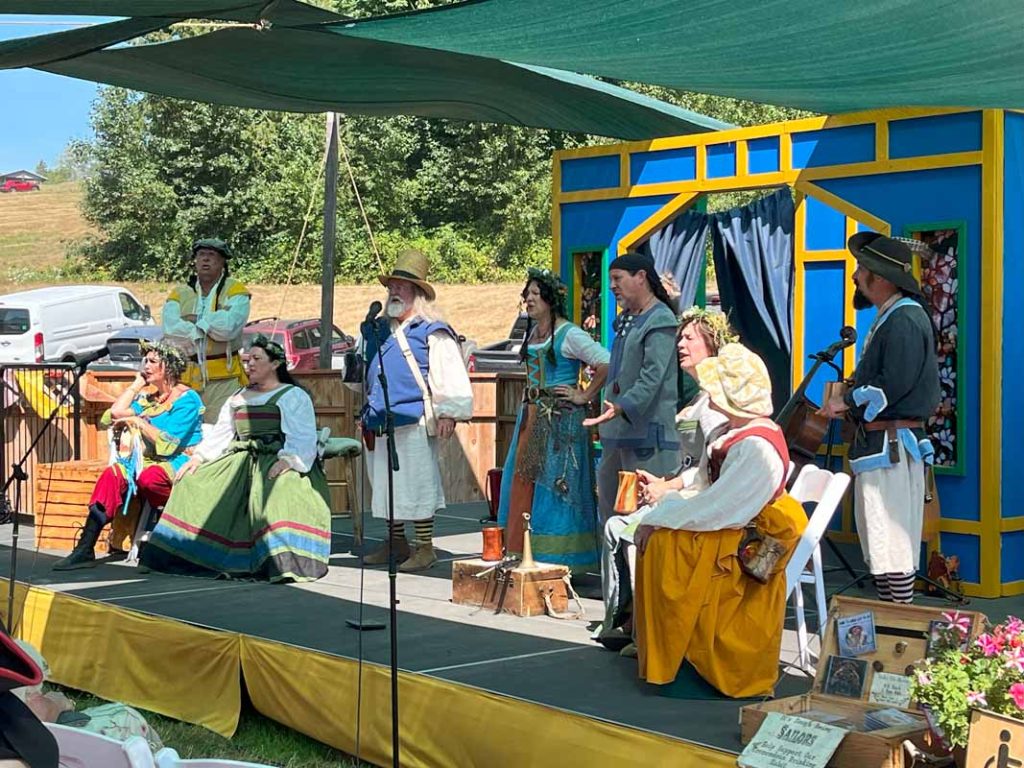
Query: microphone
{"x": 373, "y": 311}
{"x": 92, "y": 357}
{"x": 847, "y": 337}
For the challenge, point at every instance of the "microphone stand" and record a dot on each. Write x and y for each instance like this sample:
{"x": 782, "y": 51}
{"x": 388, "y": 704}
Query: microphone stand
{"x": 19, "y": 475}
{"x": 389, "y": 431}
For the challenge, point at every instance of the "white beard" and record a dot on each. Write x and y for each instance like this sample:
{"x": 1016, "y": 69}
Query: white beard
{"x": 395, "y": 308}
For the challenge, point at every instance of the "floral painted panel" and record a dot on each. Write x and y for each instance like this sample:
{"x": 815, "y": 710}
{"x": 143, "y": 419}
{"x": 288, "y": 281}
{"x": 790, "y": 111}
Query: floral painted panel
{"x": 940, "y": 273}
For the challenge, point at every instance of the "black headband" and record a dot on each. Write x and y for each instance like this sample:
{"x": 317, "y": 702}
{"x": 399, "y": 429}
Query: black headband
{"x": 633, "y": 263}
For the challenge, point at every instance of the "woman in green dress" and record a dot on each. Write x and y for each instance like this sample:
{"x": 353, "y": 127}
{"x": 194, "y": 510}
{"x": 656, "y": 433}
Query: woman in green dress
{"x": 253, "y": 499}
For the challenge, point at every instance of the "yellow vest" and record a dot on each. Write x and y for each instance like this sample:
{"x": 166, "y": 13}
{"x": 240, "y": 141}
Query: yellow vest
{"x": 222, "y": 358}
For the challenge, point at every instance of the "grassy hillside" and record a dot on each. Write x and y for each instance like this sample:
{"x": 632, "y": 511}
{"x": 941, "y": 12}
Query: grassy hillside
{"x": 35, "y": 227}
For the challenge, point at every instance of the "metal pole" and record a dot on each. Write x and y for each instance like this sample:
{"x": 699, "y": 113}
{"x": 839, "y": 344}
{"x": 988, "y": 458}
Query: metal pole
{"x": 330, "y": 211}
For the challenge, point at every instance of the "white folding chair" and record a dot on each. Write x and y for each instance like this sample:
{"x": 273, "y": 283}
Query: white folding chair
{"x": 168, "y": 758}
{"x": 826, "y": 490}
{"x": 84, "y": 749}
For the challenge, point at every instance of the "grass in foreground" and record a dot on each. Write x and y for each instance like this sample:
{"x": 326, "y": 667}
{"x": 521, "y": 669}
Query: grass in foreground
{"x": 258, "y": 739}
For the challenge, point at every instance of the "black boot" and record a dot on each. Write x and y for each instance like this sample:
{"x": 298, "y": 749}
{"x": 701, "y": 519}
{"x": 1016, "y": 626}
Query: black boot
{"x": 84, "y": 555}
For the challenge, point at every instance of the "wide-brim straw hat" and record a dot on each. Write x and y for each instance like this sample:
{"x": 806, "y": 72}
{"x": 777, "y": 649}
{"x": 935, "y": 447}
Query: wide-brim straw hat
{"x": 886, "y": 257}
{"x": 413, "y": 266}
{"x": 737, "y": 382}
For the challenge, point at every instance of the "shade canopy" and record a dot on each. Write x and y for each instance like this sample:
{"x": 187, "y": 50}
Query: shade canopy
{"x": 298, "y": 67}
{"x": 822, "y": 56}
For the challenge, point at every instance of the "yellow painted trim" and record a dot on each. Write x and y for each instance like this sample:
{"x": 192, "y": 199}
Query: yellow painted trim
{"x": 969, "y": 527}
{"x": 971, "y": 589}
{"x": 990, "y": 390}
{"x": 762, "y": 180}
{"x": 811, "y": 257}
{"x": 1013, "y": 588}
{"x": 656, "y": 221}
{"x": 760, "y": 131}
{"x": 624, "y": 168}
{"x": 882, "y": 140}
{"x": 1009, "y": 524}
{"x": 799, "y": 288}
{"x": 848, "y": 209}
{"x": 742, "y": 160}
{"x": 785, "y": 153}
{"x": 556, "y": 215}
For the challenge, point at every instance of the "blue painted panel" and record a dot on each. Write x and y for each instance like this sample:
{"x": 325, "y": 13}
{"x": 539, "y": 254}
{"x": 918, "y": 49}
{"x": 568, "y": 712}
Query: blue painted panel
{"x": 968, "y": 548}
{"x": 590, "y": 173}
{"x": 721, "y": 160}
{"x": 601, "y": 224}
{"x": 664, "y": 165}
{"x": 948, "y": 194}
{"x": 823, "y": 313}
{"x": 826, "y": 227}
{"x": 763, "y": 155}
{"x": 834, "y": 146}
{"x": 920, "y": 136}
{"x": 1011, "y": 563}
{"x": 1013, "y": 340}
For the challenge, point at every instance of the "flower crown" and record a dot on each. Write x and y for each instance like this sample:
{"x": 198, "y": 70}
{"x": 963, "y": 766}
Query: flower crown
{"x": 715, "y": 323}
{"x": 552, "y": 281}
{"x": 274, "y": 350}
{"x": 173, "y": 358}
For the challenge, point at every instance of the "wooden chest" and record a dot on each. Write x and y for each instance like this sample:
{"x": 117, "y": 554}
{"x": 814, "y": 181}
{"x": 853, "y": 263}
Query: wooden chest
{"x": 519, "y": 591}
{"x": 902, "y": 633}
{"x": 62, "y": 492}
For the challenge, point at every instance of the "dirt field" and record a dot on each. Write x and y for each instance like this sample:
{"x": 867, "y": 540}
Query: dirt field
{"x": 35, "y": 227}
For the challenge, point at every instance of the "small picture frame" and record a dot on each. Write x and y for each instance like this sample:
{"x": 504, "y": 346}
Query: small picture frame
{"x": 943, "y": 636}
{"x": 845, "y": 677}
{"x": 856, "y": 634}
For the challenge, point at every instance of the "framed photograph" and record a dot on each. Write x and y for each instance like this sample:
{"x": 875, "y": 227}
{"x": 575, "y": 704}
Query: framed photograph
{"x": 845, "y": 677}
{"x": 943, "y": 636}
{"x": 856, "y": 634}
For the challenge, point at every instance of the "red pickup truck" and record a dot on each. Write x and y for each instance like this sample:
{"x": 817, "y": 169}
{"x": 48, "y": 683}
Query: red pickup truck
{"x": 18, "y": 185}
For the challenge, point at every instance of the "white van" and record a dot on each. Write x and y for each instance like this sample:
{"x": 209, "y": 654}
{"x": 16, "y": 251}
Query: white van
{"x": 66, "y": 322}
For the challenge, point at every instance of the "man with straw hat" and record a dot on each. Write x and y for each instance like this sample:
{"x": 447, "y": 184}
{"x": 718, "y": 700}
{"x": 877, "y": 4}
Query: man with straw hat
{"x": 895, "y": 389}
{"x": 696, "y": 599}
{"x": 429, "y": 391}
{"x": 205, "y": 316}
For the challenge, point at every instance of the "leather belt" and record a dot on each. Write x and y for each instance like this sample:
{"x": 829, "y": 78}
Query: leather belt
{"x": 883, "y": 426}
{"x": 221, "y": 356}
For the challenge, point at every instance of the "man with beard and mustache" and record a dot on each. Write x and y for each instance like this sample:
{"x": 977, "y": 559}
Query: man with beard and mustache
{"x": 895, "y": 389}
{"x": 429, "y": 390}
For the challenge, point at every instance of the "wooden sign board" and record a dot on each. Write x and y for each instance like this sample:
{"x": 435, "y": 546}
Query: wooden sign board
{"x": 995, "y": 741}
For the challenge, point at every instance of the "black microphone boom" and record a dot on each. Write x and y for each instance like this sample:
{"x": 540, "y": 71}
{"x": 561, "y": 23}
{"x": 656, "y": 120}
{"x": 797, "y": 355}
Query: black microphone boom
{"x": 847, "y": 337}
{"x": 92, "y": 357}
{"x": 373, "y": 311}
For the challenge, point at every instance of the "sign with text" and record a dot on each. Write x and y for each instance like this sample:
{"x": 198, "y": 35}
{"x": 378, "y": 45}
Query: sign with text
{"x": 887, "y": 688}
{"x": 784, "y": 741}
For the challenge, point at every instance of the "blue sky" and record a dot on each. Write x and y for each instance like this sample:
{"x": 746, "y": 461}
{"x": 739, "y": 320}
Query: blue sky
{"x": 41, "y": 112}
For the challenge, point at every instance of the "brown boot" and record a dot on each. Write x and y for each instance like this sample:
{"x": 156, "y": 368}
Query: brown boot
{"x": 379, "y": 556}
{"x": 423, "y": 557}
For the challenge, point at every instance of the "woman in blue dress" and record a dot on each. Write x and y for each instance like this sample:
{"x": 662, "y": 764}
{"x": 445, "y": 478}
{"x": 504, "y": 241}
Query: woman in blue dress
{"x": 549, "y": 468}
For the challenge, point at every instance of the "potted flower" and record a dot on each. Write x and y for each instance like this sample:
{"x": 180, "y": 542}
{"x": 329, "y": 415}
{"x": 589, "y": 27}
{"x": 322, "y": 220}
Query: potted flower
{"x": 961, "y": 675}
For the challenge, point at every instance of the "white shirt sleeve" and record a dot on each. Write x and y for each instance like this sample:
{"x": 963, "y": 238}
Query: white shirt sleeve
{"x": 298, "y": 422}
{"x": 226, "y": 323}
{"x": 174, "y": 326}
{"x": 751, "y": 473}
{"x": 578, "y": 345}
{"x": 447, "y": 378}
{"x": 217, "y": 437}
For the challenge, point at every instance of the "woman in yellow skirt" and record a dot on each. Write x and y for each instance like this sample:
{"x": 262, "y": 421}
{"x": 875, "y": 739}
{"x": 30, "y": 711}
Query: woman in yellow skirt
{"x": 694, "y": 600}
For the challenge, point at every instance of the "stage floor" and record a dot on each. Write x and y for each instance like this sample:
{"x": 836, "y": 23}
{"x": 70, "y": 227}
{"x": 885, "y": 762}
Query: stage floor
{"x": 548, "y": 661}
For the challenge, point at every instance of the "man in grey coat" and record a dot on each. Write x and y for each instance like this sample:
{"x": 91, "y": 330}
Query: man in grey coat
{"x": 637, "y": 427}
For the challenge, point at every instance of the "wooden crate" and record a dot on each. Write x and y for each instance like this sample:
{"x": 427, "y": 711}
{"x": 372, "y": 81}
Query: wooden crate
{"x": 464, "y": 461}
{"x": 62, "y": 496}
{"x": 901, "y": 639}
{"x": 508, "y": 399}
{"x": 520, "y": 592}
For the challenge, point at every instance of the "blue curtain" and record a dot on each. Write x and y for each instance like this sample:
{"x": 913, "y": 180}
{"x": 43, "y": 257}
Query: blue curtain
{"x": 753, "y": 253}
{"x": 679, "y": 248}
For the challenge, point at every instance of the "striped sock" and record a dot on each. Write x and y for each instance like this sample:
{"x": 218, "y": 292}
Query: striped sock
{"x": 396, "y": 533}
{"x": 424, "y": 531}
{"x": 902, "y": 586}
{"x": 882, "y": 587}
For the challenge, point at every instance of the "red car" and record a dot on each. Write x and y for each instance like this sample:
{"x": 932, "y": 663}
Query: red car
{"x": 300, "y": 339}
{"x": 17, "y": 185}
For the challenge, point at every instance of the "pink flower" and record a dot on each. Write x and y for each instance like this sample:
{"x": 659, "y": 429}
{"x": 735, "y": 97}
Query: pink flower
{"x": 962, "y": 623}
{"x": 1015, "y": 660}
{"x": 988, "y": 644}
{"x": 923, "y": 678}
{"x": 976, "y": 698}
{"x": 1014, "y": 625}
{"x": 1017, "y": 694}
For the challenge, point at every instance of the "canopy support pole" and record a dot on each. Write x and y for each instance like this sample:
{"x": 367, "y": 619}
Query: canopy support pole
{"x": 330, "y": 221}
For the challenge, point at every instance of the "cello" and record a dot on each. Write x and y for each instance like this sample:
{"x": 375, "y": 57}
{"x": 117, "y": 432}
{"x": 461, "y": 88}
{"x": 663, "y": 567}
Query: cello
{"x": 804, "y": 428}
